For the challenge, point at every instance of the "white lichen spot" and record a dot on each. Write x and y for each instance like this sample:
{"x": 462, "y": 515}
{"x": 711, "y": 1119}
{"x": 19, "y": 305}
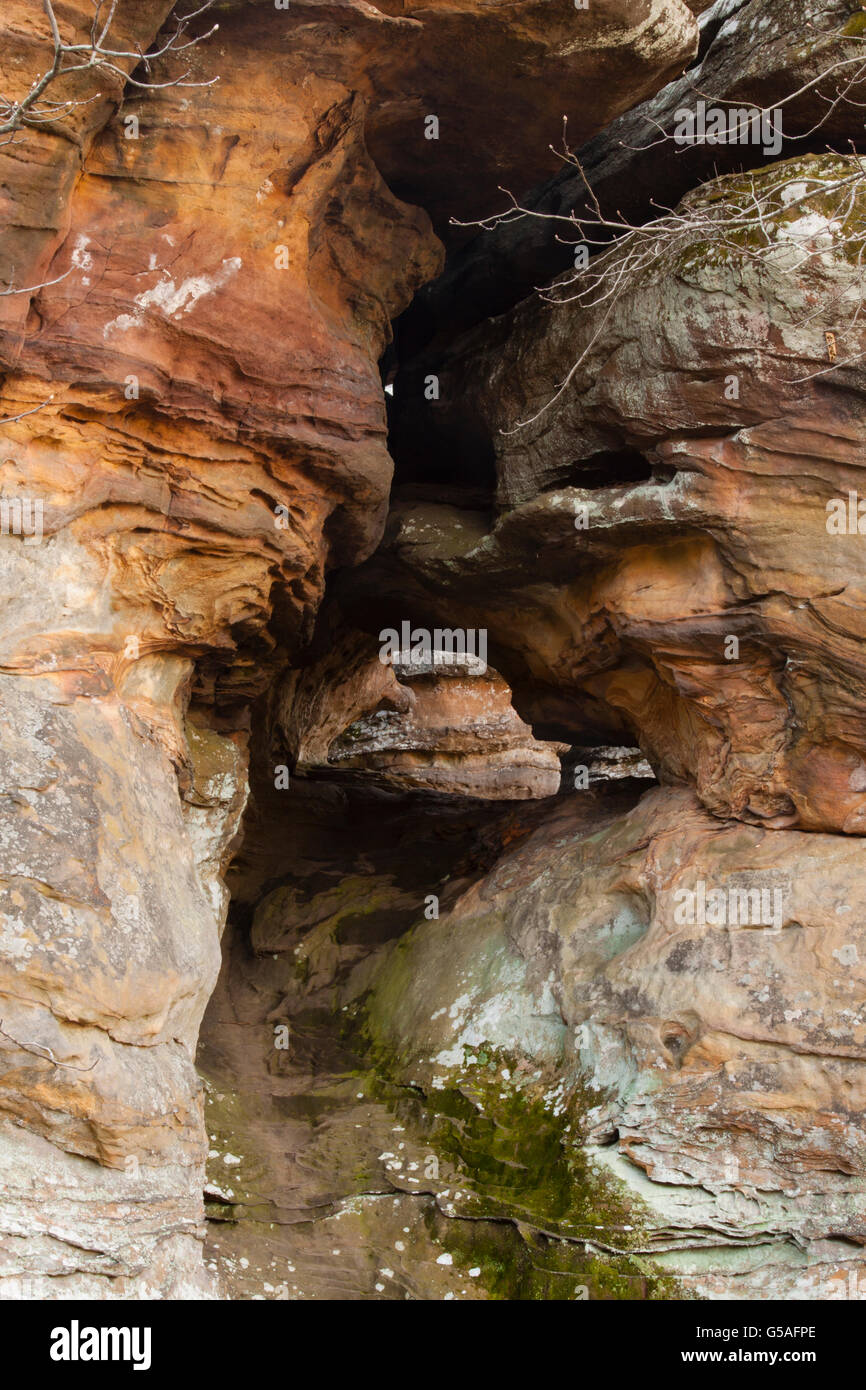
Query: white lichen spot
{"x": 172, "y": 300}
{"x": 81, "y": 257}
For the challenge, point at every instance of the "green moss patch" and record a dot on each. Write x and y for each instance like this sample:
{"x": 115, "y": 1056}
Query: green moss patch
{"x": 517, "y": 1192}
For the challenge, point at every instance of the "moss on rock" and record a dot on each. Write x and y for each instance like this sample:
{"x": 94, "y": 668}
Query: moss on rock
{"x": 518, "y": 1195}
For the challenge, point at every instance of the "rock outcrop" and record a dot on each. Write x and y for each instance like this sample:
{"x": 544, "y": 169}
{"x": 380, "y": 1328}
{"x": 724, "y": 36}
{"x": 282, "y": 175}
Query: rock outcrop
{"x": 430, "y": 968}
{"x": 446, "y": 723}
{"x": 752, "y": 53}
{"x": 727, "y": 1051}
{"x": 691, "y": 577}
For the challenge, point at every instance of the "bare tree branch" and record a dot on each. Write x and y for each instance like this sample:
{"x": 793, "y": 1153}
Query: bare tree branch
{"x": 852, "y": 70}
{"x": 35, "y": 109}
{"x": 10, "y": 419}
{"x": 731, "y": 217}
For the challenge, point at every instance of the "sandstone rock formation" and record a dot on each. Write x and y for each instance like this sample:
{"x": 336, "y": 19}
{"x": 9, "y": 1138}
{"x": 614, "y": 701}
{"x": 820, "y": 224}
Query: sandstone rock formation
{"x": 751, "y": 52}
{"x": 444, "y": 724}
{"x": 729, "y": 1055}
{"x": 647, "y": 578}
{"x": 326, "y": 975}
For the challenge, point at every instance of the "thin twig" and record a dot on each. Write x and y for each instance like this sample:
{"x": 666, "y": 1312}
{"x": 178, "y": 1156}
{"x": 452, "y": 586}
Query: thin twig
{"x": 44, "y": 1053}
{"x": 35, "y": 109}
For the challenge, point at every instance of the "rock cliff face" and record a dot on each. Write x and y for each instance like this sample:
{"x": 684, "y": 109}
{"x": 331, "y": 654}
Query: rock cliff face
{"x": 517, "y": 954}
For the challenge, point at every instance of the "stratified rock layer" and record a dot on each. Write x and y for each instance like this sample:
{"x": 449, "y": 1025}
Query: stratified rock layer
{"x": 677, "y": 522}
{"x": 198, "y": 283}
{"x": 446, "y": 723}
{"x": 491, "y": 1019}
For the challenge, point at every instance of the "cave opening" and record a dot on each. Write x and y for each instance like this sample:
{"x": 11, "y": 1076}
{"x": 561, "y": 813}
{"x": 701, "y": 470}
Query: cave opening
{"x": 610, "y": 468}
{"x": 451, "y": 459}
{"x": 321, "y": 1157}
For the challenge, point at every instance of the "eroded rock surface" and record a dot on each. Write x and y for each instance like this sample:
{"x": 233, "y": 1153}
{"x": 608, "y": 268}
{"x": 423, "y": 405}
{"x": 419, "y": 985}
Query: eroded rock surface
{"x": 752, "y": 53}
{"x": 478, "y": 1019}
{"x": 446, "y": 723}
{"x": 652, "y": 1103}
{"x": 728, "y": 1053}
{"x": 672, "y": 511}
